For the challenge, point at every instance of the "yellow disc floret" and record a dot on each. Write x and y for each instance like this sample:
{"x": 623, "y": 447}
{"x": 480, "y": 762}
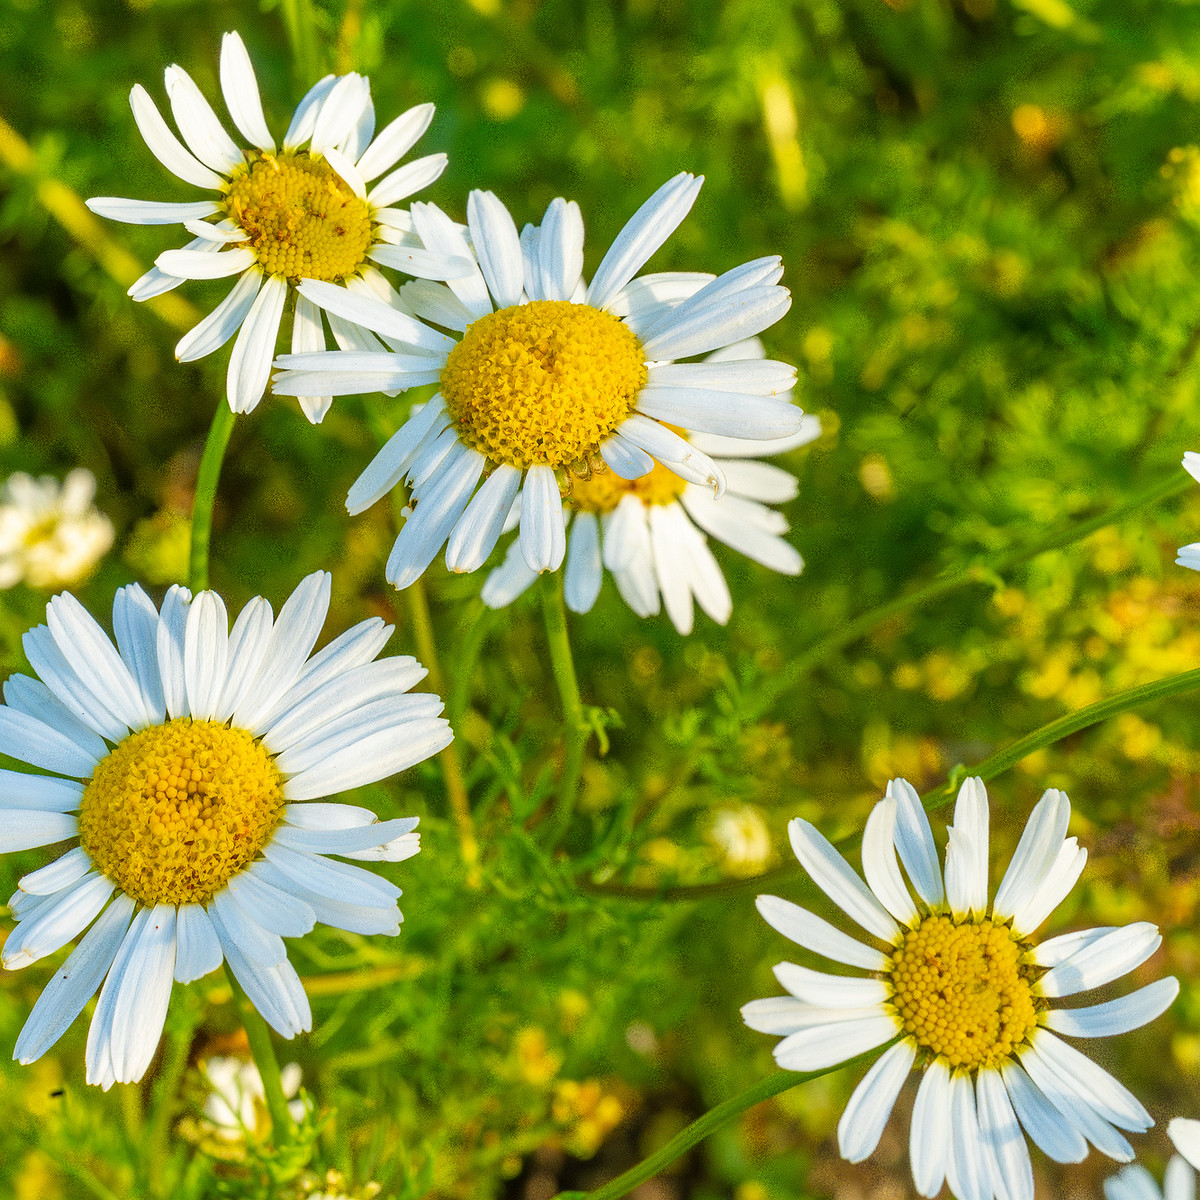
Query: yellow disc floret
{"x": 962, "y": 990}
{"x": 544, "y": 382}
{"x": 303, "y": 219}
{"x": 176, "y": 810}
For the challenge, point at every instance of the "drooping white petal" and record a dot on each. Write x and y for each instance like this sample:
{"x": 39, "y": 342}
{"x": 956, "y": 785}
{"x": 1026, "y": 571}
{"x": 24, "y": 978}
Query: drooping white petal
{"x": 625, "y": 459}
{"x": 197, "y": 947}
{"x": 238, "y": 928}
{"x": 1049, "y": 1129}
{"x": 815, "y": 934}
{"x": 1112, "y": 1100}
{"x": 267, "y": 906}
{"x": 250, "y": 363}
{"x": 543, "y": 533}
{"x": 509, "y": 580}
{"x": 1184, "y": 1132}
{"x": 61, "y": 917}
{"x": 729, "y": 521}
{"x": 240, "y": 89}
{"x": 869, "y": 1108}
{"x": 140, "y": 1004}
{"x": 759, "y": 481}
{"x": 475, "y": 535}
{"x": 967, "y": 851}
{"x": 334, "y": 880}
{"x": 672, "y": 451}
{"x": 1116, "y": 1016}
{"x": 1101, "y": 960}
{"x": 387, "y": 468}
{"x": 914, "y": 842}
{"x": 165, "y": 146}
{"x": 584, "y": 574}
{"x": 1011, "y": 1169}
{"x": 833, "y": 875}
{"x": 223, "y": 322}
{"x": 968, "y": 1169}
{"x": 929, "y": 1140}
{"x": 354, "y": 917}
{"x": 343, "y": 841}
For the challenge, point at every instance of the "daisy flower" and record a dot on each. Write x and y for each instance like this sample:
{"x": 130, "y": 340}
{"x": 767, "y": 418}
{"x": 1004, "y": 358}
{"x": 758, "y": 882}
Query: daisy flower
{"x": 649, "y": 532}
{"x": 1136, "y": 1183}
{"x": 958, "y": 989}
{"x": 186, "y": 762}
{"x": 544, "y": 380}
{"x": 278, "y": 214}
{"x": 1189, "y": 556}
{"x": 236, "y": 1106}
{"x": 51, "y": 534}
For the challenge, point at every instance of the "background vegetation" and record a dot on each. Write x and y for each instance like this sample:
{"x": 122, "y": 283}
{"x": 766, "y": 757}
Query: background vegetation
{"x": 988, "y": 211}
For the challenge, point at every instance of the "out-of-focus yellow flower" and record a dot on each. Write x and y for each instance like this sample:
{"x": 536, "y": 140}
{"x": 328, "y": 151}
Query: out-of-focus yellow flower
{"x": 51, "y": 534}
{"x": 742, "y": 837}
{"x": 588, "y": 1112}
{"x": 537, "y": 1063}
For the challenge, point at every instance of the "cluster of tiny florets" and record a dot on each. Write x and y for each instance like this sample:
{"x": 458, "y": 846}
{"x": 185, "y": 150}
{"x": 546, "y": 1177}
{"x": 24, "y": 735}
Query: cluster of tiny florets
{"x": 176, "y": 810}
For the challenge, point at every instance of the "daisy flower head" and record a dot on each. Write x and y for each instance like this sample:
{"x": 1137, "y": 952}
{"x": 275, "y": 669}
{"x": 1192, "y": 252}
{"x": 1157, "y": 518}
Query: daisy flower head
{"x": 649, "y": 532}
{"x": 958, "y": 989}
{"x": 237, "y": 1107}
{"x": 1189, "y": 556}
{"x": 189, "y": 762}
{"x": 51, "y": 535}
{"x": 1136, "y": 1183}
{"x": 277, "y": 214}
{"x": 546, "y": 381}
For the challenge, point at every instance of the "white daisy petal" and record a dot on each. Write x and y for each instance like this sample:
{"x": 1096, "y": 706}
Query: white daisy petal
{"x": 968, "y": 1170}
{"x": 347, "y": 171}
{"x": 1059, "y": 949}
{"x": 697, "y": 328}
{"x": 869, "y": 1108}
{"x": 57, "y": 921}
{"x": 34, "y": 699}
{"x": 436, "y": 304}
{"x": 1035, "y": 853}
{"x": 1011, "y": 1169}
{"x": 929, "y": 1143}
{"x": 626, "y": 535}
{"x": 581, "y": 584}
{"x": 61, "y": 678}
{"x": 308, "y": 334}
{"x": 441, "y": 235}
{"x": 342, "y": 841}
{"x": 670, "y": 564}
{"x": 74, "y": 983}
{"x": 1100, "y": 960}
{"x": 44, "y": 792}
{"x": 24, "y": 829}
{"x": 249, "y": 642}
{"x": 223, "y": 322}
{"x": 165, "y": 146}
{"x": 729, "y": 521}
{"x": 1052, "y": 889}
{"x": 304, "y": 119}
{"x": 140, "y": 1004}
{"x": 207, "y": 232}
{"x": 642, "y": 235}
{"x": 967, "y": 852}
{"x": 172, "y": 626}
{"x": 240, "y": 89}
{"x": 1116, "y": 1016}
{"x": 404, "y": 181}
{"x": 543, "y": 534}
{"x": 55, "y": 876}
{"x": 818, "y": 935}
{"x": 1183, "y": 1131}
{"x": 748, "y": 377}
{"x": 269, "y": 907}
{"x": 205, "y": 264}
{"x": 777, "y": 1014}
{"x": 201, "y": 130}
{"x": 197, "y": 947}
{"x": 334, "y": 880}
{"x": 387, "y": 468}
{"x": 672, "y": 451}
{"x": 759, "y": 481}
{"x": 560, "y": 250}
{"x": 250, "y": 363}
{"x": 374, "y": 314}
{"x": 625, "y": 459}
{"x": 728, "y": 447}
{"x": 135, "y": 624}
{"x": 1113, "y": 1101}
{"x": 205, "y": 654}
{"x": 314, "y": 815}
{"x": 29, "y": 740}
{"x": 339, "y": 111}
{"x": 152, "y": 212}
{"x": 497, "y": 246}
{"x": 238, "y": 927}
{"x": 509, "y": 580}
{"x": 1179, "y": 1181}
{"x": 914, "y": 842}
{"x": 731, "y": 413}
{"x": 880, "y": 866}
{"x": 828, "y": 1045}
{"x": 830, "y": 872}
{"x": 832, "y": 991}
{"x": 475, "y": 535}
{"x": 356, "y": 917}
{"x": 395, "y": 140}
{"x": 1046, "y": 1125}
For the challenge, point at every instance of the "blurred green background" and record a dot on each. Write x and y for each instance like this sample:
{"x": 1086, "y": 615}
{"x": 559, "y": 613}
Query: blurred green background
{"x": 989, "y": 213}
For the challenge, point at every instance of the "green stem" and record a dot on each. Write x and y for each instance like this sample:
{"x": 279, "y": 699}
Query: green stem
{"x": 259, "y": 1036}
{"x": 698, "y": 1130}
{"x": 470, "y": 644}
{"x": 983, "y": 571}
{"x": 576, "y": 730}
{"x": 206, "y": 494}
{"x": 989, "y": 768}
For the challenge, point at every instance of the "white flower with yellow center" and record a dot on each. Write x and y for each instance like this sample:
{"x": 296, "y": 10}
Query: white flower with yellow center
{"x": 279, "y": 214}
{"x": 649, "y": 532}
{"x": 1179, "y": 1182}
{"x": 51, "y": 534}
{"x": 186, "y": 761}
{"x": 958, "y": 988}
{"x": 237, "y": 1107}
{"x": 547, "y": 381}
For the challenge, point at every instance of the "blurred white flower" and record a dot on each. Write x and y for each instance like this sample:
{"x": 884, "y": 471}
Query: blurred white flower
{"x": 51, "y": 534}
{"x": 237, "y": 1104}
{"x": 741, "y": 835}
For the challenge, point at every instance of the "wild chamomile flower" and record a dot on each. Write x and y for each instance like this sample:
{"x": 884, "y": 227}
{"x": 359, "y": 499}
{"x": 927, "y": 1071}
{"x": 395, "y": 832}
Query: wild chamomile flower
{"x": 545, "y": 381}
{"x": 236, "y": 1107}
{"x": 1189, "y": 555}
{"x": 649, "y": 532}
{"x": 185, "y": 762}
{"x": 278, "y": 214}
{"x": 1136, "y": 1183}
{"x": 51, "y": 534}
{"x": 958, "y": 988}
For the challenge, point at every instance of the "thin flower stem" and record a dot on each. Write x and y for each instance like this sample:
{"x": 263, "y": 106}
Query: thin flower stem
{"x": 989, "y": 768}
{"x": 206, "y": 494}
{"x": 981, "y": 572}
{"x": 456, "y": 788}
{"x": 699, "y": 1129}
{"x": 259, "y": 1036}
{"x": 575, "y": 728}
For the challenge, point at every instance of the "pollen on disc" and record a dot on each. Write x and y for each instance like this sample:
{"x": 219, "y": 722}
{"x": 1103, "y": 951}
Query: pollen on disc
{"x": 176, "y": 810}
{"x": 545, "y": 382}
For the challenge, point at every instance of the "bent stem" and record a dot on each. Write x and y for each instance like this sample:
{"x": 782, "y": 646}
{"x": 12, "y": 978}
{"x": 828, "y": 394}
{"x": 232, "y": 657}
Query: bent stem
{"x": 699, "y": 1129}
{"x": 259, "y": 1036}
{"x": 576, "y": 730}
{"x": 206, "y": 494}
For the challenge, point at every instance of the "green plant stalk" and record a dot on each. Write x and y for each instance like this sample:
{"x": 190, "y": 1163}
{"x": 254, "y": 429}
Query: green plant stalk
{"x": 575, "y": 731}
{"x": 699, "y": 1129}
{"x": 259, "y": 1036}
{"x": 206, "y": 494}
{"x": 989, "y": 768}
{"x": 298, "y": 18}
{"x": 982, "y": 571}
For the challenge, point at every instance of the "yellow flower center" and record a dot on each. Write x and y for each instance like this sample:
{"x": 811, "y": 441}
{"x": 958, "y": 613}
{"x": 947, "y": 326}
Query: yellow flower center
{"x": 601, "y": 493}
{"x": 544, "y": 382}
{"x": 962, "y": 990}
{"x": 176, "y": 810}
{"x": 302, "y": 217}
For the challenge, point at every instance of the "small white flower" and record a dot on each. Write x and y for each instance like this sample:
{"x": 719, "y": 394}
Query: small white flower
{"x": 1189, "y": 556}
{"x": 278, "y": 215}
{"x": 544, "y": 377}
{"x": 958, "y": 989}
{"x": 649, "y": 532}
{"x": 742, "y": 837}
{"x": 1136, "y": 1183}
{"x": 236, "y": 1105}
{"x": 51, "y": 535}
{"x": 192, "y": 754}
